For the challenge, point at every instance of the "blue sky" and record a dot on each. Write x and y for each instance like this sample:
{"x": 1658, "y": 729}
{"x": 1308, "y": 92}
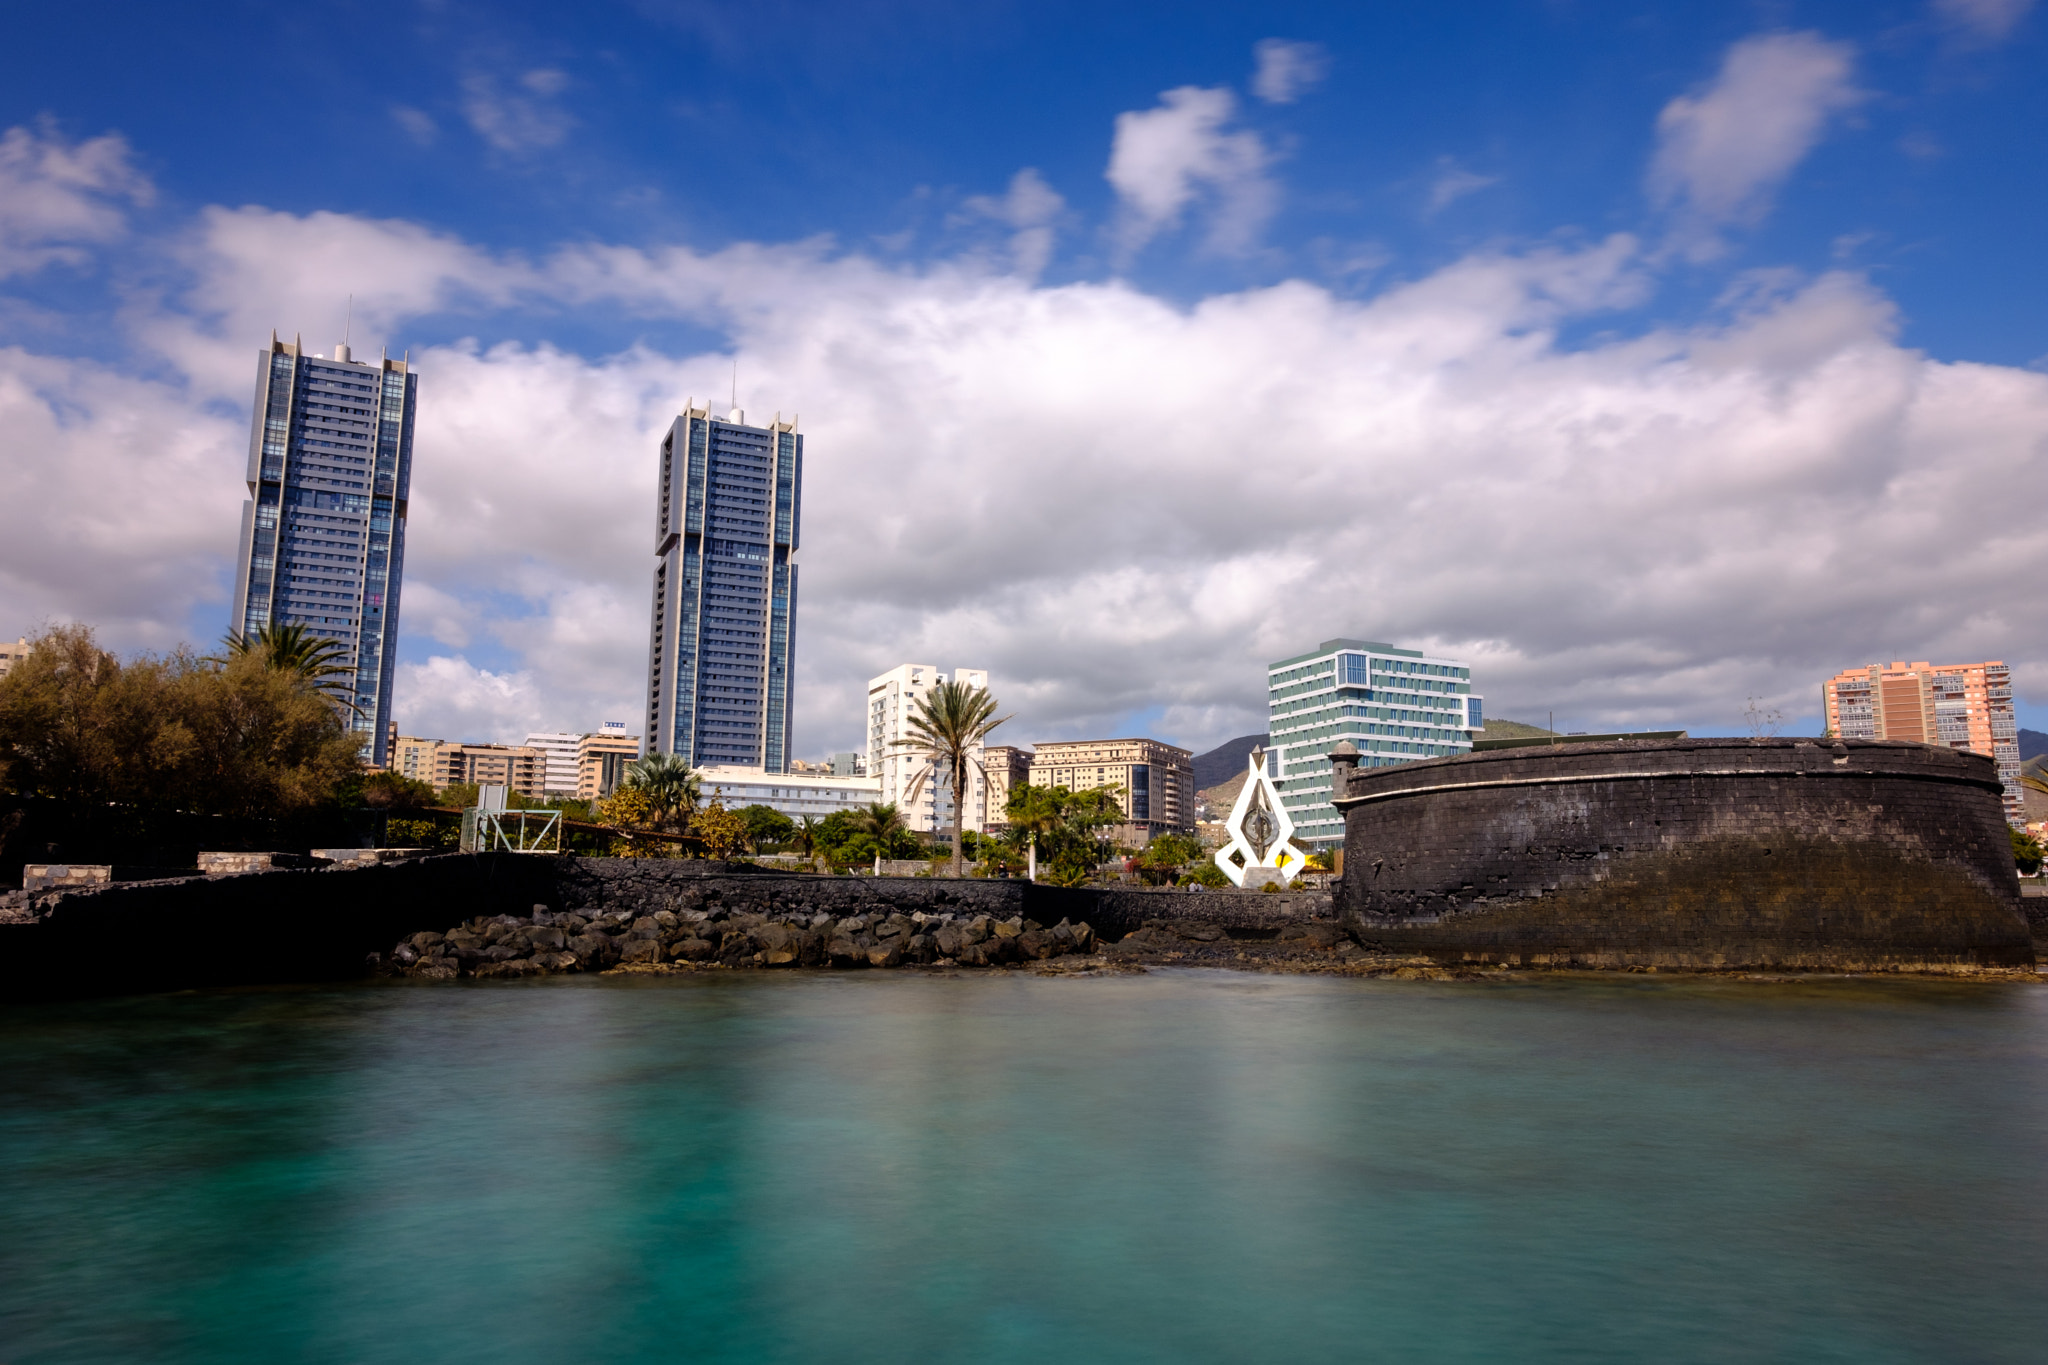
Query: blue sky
{"x": 1655, "y": 357}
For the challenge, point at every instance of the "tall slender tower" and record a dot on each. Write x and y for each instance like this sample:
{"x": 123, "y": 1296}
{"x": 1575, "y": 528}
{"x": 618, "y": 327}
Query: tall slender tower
{"x": 723, "y": 643}
{"x": 323, "y": 531}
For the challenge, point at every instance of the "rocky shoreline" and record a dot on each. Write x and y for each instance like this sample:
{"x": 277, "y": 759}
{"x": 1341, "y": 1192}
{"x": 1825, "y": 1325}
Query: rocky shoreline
{"x": 548, "y": 943}
{"x": 666, "y": 942}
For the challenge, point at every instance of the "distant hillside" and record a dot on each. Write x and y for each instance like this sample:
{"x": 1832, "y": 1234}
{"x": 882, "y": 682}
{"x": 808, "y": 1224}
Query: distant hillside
{"x": 1225, "y": 761}
{"x": 1220, "y": 798}
{"x": 1512, "y": 729}
{"x": 2032, "y": 745}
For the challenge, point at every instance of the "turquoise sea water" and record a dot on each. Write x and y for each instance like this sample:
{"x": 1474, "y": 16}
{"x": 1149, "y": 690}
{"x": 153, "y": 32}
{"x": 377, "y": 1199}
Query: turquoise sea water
{"x": 1181, "y": 1166}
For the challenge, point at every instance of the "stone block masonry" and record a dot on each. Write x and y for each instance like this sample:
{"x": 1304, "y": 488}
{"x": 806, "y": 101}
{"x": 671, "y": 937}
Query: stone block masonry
{"x": 1704, "y": 854}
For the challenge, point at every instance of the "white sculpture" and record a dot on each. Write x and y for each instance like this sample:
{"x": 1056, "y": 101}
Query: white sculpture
{"x": 1261, "y": 834}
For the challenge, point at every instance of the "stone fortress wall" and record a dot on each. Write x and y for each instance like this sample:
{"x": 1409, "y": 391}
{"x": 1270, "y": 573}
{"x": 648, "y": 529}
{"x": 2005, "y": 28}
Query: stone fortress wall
{"x": 1690, "y": 853}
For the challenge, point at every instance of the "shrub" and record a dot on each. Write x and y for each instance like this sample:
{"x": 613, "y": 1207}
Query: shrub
{"x": 2026, "y": 852}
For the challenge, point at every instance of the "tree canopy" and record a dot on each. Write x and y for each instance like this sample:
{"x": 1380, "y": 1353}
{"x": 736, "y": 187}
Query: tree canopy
{"x": 671, "y": 787}
{"x": 319, "y": 662}
{"x": 766, "y": 826}
{"x": 230, "y": 736}
{"x": 1066, "y": 826}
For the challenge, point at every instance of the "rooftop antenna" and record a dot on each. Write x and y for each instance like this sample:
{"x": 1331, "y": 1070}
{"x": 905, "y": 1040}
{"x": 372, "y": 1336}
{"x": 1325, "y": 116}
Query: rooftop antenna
{"x": 349, "y": 325}
{"x": 735, "y": 381}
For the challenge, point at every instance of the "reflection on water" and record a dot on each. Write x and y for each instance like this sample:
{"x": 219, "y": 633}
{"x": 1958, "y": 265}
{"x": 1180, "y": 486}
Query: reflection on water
{"x": 1180, "y": 1166}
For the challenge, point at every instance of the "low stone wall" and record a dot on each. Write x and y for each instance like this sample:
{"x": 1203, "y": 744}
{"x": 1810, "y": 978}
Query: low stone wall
{"x": 255, "y": 929}
{"x": 1713, "y": 853}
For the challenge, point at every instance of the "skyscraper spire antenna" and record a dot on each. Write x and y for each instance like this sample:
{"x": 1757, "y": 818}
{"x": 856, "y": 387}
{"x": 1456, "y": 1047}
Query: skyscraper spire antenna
{"x": 735, "y": 381}
{"x": 349, "y": 325}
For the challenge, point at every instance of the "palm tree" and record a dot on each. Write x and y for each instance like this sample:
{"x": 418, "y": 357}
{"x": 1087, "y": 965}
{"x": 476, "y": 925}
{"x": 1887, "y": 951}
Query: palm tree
{"x": 669, "y": 783}
{"x": 951, "y": 722}
{"x": 1035, "y": 812}
{"x": 806, "y": 837}
{"x": 879, "y": 820}
{"x": 315, "y": 659}
{"x": 880, "y": 823}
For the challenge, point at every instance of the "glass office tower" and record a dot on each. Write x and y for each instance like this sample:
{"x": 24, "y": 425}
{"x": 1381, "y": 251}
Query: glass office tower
{"x": 323, "y": 531}
{"x": 724, "y": 637}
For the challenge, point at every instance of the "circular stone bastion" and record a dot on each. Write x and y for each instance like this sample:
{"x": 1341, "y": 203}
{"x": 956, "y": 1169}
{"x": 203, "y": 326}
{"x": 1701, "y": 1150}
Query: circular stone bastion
{"x": 1715, "y": 854}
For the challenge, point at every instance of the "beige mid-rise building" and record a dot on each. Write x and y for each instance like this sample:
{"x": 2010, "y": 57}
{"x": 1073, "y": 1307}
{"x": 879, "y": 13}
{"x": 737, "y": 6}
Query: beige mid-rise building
{"x": 601, "y": 760}
{"x": 1955, "y": 706}
{"x": 1154, "y": 782}
{"x": 443, "y": 764}
{"x": 1008, "y": 768}
{"x": 10, "y": 655}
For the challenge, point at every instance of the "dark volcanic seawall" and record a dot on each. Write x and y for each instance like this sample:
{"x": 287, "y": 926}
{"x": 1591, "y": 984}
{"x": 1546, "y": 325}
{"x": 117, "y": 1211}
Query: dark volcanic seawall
{"x": 276, "y": 927}
{"x": 1712, "y": 853}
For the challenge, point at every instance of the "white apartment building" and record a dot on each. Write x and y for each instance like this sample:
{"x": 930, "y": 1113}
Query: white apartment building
{"x": 927, "y": 805}
{"x": 794, "y": 794}
{"x": 560, "y": 747}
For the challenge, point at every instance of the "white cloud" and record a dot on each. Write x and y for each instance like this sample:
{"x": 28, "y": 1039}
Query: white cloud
{"x": 1164, "y": 158}
{"x": 1031, "y": 207}
{"x": 522, "y": 119}
{"x": 1119, "y": 504}
{"x": 1723, "y": 151}
{"x": 58, "y": 198}
{"x": 1987, "y": 21}
{"x": 1453, "y": 182}
{"x": 417, "y": 123}
{"x": 450, "y": 698}
{"x": 123, "y": 500}
{"x": 1287, "y": 70}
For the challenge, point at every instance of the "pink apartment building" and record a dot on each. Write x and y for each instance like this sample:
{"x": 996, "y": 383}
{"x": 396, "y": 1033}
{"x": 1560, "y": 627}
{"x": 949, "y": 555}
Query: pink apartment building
{"x": 1957, "y": 706}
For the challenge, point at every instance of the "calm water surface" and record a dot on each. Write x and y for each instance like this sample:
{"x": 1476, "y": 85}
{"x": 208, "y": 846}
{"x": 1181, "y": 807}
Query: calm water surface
{"x": 1171, "y": 1167}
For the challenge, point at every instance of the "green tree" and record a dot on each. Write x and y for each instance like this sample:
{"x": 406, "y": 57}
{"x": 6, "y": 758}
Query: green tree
{"x": 878, "y": 828}
{"x": 386, "y": 790}
{"x": 765, "y": 826}
{"x": 1161, "y": 861}
{"x": 724, "y": 833}
{"x": 671, "y": 787}
{"x": 1034, "y": 813}
{"x": 222, "y": 737}
{"x": 629, "y": 808}
{"x": 804, "y": 834}
{"x": 947, "y": 725}
{"x": 1065, "y": 827}
{"x": 830, "y": 833}
{"x": 2026, "y": 852}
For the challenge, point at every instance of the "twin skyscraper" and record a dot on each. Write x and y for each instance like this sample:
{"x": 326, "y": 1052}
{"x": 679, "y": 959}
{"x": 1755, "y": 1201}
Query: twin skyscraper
{"x": 323, "y": 530}
{"x": 723, "y": 644}
{"x": 323, "y": 548}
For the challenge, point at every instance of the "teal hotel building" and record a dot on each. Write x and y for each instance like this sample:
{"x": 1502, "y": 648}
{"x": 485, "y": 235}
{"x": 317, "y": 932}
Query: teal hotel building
{"x": 1397, "y": 705}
